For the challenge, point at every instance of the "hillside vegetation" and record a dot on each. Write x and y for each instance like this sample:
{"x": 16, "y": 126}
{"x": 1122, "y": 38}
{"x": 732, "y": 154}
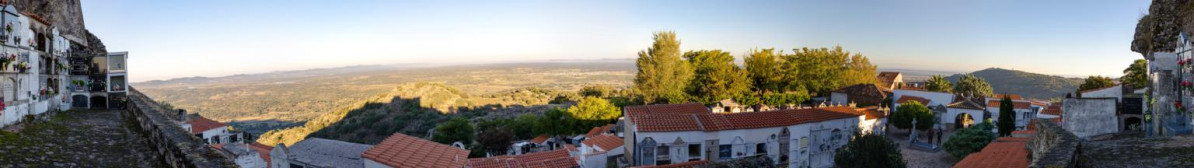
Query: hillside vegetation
{"x": 262, "y": 102}
{"x": 1027, "y": 84}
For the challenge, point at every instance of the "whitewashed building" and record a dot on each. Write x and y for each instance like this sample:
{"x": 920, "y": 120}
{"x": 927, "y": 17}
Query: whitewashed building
{"x": 319, "y": 153}
{"x": 1023, "y": 108}
{"x": 33, "y": 71}
{"x": 676, "y": 133}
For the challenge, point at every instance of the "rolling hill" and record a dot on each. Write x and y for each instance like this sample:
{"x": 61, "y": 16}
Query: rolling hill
{"x": 1027, "y": 84}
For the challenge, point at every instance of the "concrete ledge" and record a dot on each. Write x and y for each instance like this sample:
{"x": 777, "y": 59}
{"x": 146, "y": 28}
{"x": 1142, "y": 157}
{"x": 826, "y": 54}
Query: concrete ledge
{"x": 1053, "y": 147}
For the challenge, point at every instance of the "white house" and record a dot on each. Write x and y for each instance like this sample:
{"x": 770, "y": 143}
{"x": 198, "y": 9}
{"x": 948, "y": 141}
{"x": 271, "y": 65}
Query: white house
{"x": 1022, "y": 108}
{"x": 962, "y": 114}
{"x": 677, "y": 133}
{"x": 933, "y": 98}
{"x": 246, "y": 156}
{"x": 211, "y": 131}
{"x": 602, "y": 150}
{"x": 400, "y": 150}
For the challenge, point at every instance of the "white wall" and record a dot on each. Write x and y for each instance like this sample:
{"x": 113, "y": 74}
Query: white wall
{"x": 951, "y": 114}
{"x": 935, "y": 98}
{"x": 839, "y": 98}
{"x": 250, "y": 161}
{"x": 209, "y": 134}
{"x": 744, "y": 141}
{"x": 1112, "y": 92}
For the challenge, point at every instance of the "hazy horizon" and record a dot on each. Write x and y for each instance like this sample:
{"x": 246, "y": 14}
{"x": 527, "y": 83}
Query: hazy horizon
{"x": 184, "y": 39}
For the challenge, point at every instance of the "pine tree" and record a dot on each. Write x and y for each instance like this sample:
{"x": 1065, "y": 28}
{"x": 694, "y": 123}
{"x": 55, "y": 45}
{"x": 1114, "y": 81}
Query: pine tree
{"x": 716, "y": 77}
{"x": 1007, "y": 117}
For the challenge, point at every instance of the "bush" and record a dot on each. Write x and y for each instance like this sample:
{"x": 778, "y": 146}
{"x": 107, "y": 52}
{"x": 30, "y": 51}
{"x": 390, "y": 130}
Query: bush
{"x": 870, "y": 150}
{"x": 969, "y": 140}
{"x": 902, "y": 117}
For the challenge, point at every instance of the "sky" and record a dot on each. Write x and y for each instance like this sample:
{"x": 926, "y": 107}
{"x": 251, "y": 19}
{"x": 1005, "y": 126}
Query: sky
{"x": 171, "y": 39}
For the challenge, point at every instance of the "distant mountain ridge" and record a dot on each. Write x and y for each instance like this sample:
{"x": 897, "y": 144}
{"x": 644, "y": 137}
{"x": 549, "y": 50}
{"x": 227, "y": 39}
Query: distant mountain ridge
{"x": 1027, "y": 84}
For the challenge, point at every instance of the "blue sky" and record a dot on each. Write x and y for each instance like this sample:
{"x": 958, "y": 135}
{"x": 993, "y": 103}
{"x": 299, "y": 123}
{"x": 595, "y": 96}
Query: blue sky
{"x": 168, "y": 39}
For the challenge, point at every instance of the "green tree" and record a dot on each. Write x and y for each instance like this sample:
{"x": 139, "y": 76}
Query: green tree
{"x": 455, "y": 130}
{"x": 1096, "y": 82}
{"x": 593, "y": 108}
{"x": 555, "y": 122}
{"x": 495, "y": 140}
{"x": 969, "y": 140}
{"x": 1136, "y": 74}
{"x": 717, "y": 77}
{"x": 1007, "y": 117}
{"x": 937, "y": 83}
{"x": 971, "y": 85}
{"x": 662, "y": 75}
{"x": 869, "y": 150}
{"x": 823, "y": 70}
{"x": 906, "y": 112}
{"x": 765, "y": 70}
{"x": 602, "y": 91}
{"x": 780, "y": 99}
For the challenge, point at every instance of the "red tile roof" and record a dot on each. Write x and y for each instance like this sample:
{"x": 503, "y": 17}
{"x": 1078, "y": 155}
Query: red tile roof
{"x": 36, "y": 18}
{"x": 262, "y": 150}
{"x": 906, "y": 98}
{"x": 997, "y": 155}
{"x": 1015, "y": 105}
{"x": 605, "y": 142}
{"x": 218, "y": 146}
{"x": 887, "y": 79}
{"x": 872, "y": 112}
{"x": 703, "y": 120}
{"x": 1013, "y": 96}
{"x": 678, "y": 165}
{"x": 200, "y": 124}
{"x": 599, "y": 130}
{"x": 405, "y": 151}
{"x": 1013, "y": 139}
{"x": 540, "y": 139}
{"x": 1054, "y": 109}
{"x": 548, "y": 159}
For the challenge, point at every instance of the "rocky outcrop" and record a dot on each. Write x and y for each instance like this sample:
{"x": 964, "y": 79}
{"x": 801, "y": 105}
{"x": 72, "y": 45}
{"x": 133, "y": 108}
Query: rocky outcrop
{"x": 67, "y": 15}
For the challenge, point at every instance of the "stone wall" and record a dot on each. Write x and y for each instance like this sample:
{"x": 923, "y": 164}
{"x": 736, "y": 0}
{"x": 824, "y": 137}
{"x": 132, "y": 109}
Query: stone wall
{"x": 177, "y": 146}
{"x": 1090, "y": 116}
{"x": 1053, "y": 146}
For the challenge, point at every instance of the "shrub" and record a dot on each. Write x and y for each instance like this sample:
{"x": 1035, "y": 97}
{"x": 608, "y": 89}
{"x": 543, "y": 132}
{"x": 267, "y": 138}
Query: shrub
{"x": 869, "y": 150}
{"x": 969, "y": 140}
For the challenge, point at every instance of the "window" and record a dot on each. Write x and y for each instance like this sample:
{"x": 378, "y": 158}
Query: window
{"x": 724, "y": 151}
{"x": 761, "y": 149}
{"x": 694, "y": 151}
{"x": 662, "y": 156}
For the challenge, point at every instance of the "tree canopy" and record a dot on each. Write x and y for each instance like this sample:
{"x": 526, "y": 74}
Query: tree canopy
{"x": 869, "y": 150}
{"x": 822, "y": 70}
{"x": 1007, "y": 117}
{"x": 1136, "y": 74}
{"x": 593, "y": 108}
{"x": 716, "y": 76}
{"x": 969, "y": 140}
{"x": 1096, "y": 82}
{"x": 906, "y": 112}
{"x": 763, "y": 66}
{"x": 971, "y": 85}
{"x": 937, "y": 83}
{"x": 662, "y": 75}
{"x": 455, "y": 130}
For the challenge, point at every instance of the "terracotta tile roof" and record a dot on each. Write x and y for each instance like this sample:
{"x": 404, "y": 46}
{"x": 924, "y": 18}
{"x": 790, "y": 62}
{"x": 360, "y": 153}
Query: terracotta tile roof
{"x": 200, "y": 124}
{"x": 706, "y": 121}
{"x": 547, "y": 159}
{"x": 688, "y": 164}
{"x": 605, "y": 142}
{"x": 1041, "y": 103}
{"x": 887, "y": 79}
{"x": 690, "y": 108}
{"x": 1054, "y": 109}
{"x": 906, "y": 98}
{"x": 540, "y": 139}
{"x": 262, "y": 150}
{"x": 599, "y": 130}
{"x": 218, "y": 146}
{"x": 872, "y": 112}
{"x": 1015, "y": 105}
{"x": 1014, "y": 139}
{"x": 36, "y": 18}
{"x": 405, "y": 151}
{"x": 1013, "y": 96}
{"x": 997, "y": 155}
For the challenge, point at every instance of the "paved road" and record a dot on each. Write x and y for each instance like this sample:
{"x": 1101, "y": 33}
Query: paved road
{"x": 93, "y": 138}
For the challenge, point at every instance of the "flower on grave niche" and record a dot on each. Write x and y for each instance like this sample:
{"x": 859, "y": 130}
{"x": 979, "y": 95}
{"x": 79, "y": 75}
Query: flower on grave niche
{"x": 1181, "y": 62}
{"x": 8, "y": 27}
{"x": 1187, "y": 83}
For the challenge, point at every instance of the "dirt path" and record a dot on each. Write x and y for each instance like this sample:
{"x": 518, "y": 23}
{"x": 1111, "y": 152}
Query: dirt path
{"x": 95, "y": 138}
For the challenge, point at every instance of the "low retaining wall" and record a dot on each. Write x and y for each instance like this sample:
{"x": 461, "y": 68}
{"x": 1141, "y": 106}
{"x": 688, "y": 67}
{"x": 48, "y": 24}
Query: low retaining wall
{"x": 1053, "y": 147}
{"x": 177, "y": 146}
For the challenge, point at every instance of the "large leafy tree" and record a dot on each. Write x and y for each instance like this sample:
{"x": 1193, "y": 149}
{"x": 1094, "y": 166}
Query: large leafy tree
{"x": 971, "y": 85}
{"x": 823, "y": 70}
{"x": 969, "y": 140}
{"x": 455, "y": 130}
{"x": 496, "y": 139}
{"x": 662, "y": 75}
{"x": 1136, "y": 74}
{"x": 594, "y": 109}
{"x": 716, "y": 77}
{"x": 1095, "y": 82}
{"x": 869, "y": 150}
{"x": 555, "y": 122}
{"x": 1007, "y": 117}
{"x": 903, "y": 116}
{"x": 937, "y": 83}
{"x": 765, "y": 70}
